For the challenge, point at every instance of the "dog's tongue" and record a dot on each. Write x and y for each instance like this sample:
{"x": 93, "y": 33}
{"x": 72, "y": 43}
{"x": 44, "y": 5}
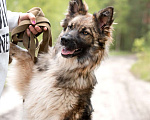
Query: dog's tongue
{"x": 67, "y": 52}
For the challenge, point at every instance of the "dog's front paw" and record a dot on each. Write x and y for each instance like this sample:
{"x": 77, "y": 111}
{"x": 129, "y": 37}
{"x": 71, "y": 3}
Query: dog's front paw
{"x": 13, "y": 49}
{"x": 18, "y": 52}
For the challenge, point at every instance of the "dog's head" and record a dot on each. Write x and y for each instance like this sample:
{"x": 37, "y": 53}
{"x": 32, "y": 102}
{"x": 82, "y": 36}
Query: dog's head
{"x": 85, "y": 34}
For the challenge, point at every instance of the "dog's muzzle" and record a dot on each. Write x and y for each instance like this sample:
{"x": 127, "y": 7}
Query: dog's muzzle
{"x": 66, "y": 40}
{"x": 70, "y": 48}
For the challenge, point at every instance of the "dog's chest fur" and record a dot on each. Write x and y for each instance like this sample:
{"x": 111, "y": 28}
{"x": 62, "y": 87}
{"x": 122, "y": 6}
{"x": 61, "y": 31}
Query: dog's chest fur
{"x": 59, "y": 88}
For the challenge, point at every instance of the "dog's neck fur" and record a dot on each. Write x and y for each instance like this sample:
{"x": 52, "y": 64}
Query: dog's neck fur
{"x": 65, "y": 68}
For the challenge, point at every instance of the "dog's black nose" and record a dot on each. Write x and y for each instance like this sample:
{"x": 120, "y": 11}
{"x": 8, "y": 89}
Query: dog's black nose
{"x": 65, "y": 40}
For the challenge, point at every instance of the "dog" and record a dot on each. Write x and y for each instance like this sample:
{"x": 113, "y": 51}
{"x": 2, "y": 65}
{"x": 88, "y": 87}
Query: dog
{"x": 59, "y": 86}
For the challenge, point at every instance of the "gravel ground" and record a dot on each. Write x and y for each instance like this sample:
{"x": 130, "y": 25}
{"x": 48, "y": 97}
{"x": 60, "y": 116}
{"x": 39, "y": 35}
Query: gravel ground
{"x": 117, "y": 96}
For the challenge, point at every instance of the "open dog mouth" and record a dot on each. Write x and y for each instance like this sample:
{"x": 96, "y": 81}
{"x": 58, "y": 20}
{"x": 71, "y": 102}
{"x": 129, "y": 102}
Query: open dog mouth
{"x": 70, "y": 53}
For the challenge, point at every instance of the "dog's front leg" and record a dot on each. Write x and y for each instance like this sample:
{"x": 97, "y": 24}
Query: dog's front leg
{"x": 20, "y": 71}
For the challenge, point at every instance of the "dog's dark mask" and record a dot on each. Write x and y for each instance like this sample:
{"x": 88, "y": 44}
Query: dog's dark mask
{"x": 73, "y": 44}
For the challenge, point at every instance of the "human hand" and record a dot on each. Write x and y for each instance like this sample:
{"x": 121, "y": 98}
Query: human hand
{"x": 34, "y": 29}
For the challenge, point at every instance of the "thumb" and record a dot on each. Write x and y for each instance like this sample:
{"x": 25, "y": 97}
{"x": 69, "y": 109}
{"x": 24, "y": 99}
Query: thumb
{"x": 32, "y": 18}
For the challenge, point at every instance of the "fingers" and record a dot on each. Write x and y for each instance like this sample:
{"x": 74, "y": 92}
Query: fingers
{"x": 35, "y": 29}
{"x": 38, "y": 29}
{"x": 45, "y": 28}
{"x": 28, "y": 32}
{"x": 33, "y": 21}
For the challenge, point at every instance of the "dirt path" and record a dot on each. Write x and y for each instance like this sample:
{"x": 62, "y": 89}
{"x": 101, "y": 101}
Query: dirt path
{"x": 117, "y": 96}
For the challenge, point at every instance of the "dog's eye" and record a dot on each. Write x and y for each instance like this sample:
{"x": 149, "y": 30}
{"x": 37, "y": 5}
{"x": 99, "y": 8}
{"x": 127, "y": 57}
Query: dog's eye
{"x": 85, "y": 33}
{"x": 70, "y": 26}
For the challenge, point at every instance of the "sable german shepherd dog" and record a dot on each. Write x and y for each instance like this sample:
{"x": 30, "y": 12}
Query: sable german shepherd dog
{"x": 59, "y": 86}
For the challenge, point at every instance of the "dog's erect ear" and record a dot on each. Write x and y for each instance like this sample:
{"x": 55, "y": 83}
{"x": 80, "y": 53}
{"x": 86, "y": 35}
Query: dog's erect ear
{"x": 76, "y": 7}
{"x": 104, "y": 18}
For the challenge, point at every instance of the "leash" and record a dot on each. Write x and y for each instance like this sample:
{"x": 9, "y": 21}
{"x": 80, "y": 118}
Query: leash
{"x": 31, "y": 43}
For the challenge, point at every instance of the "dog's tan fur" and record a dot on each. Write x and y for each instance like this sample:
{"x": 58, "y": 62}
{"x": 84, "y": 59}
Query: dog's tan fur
{"x": 60, "y": 88}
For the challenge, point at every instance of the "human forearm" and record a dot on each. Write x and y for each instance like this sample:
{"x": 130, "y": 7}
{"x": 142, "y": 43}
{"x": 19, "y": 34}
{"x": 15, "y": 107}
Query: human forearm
{"x": 12, "y": 18}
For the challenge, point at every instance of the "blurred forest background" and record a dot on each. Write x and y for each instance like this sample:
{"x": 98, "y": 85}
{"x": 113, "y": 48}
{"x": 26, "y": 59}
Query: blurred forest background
{"x": 131, "y": 34}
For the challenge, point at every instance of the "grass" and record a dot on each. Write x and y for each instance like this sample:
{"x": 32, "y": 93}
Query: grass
{"x": 142, "y": 67}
